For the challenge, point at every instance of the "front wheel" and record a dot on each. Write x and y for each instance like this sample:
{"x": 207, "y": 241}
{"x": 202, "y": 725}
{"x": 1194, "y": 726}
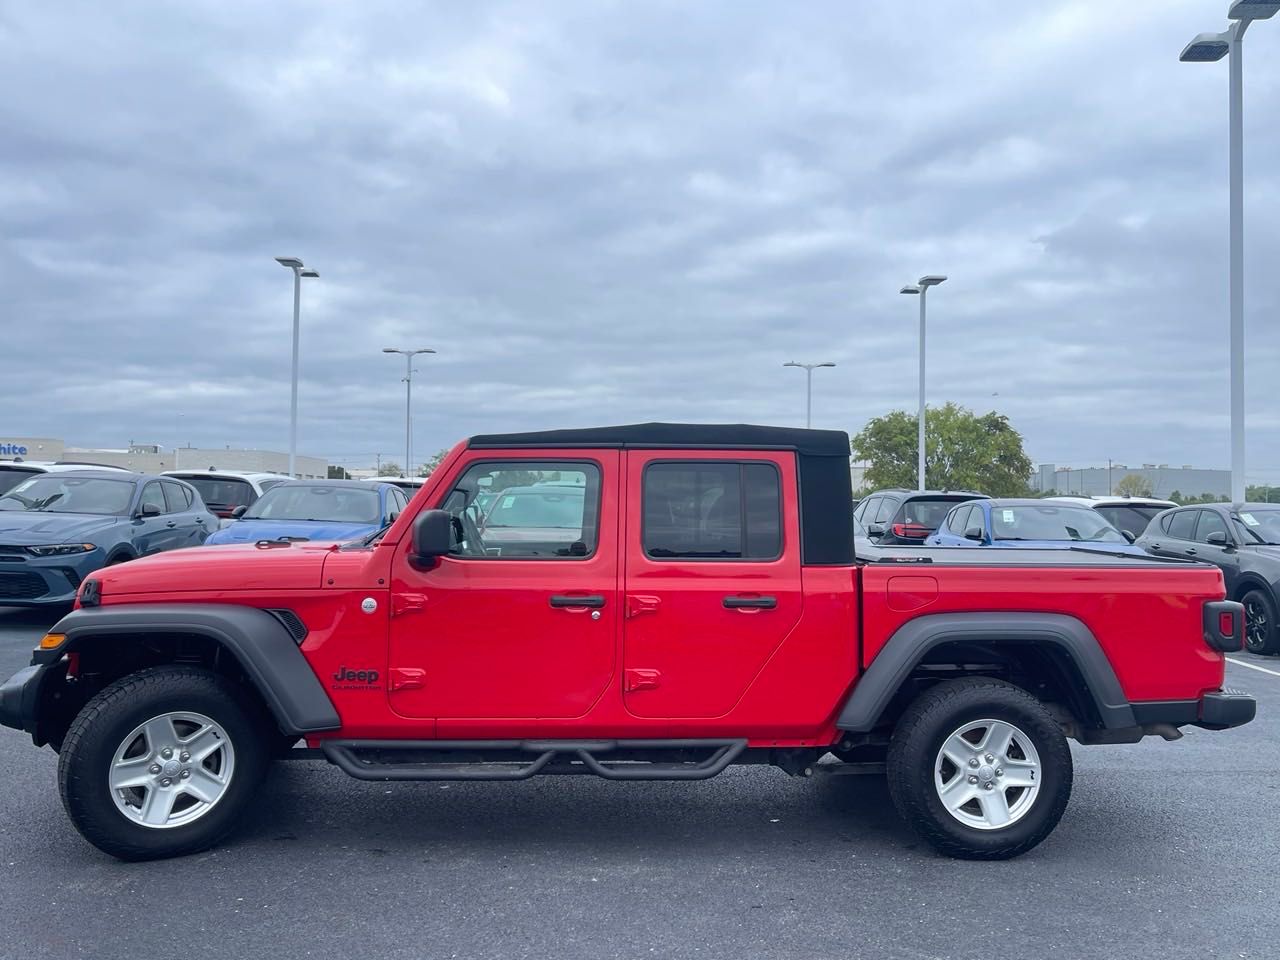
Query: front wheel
{"x": 980, "y": 769}
{"x": 1259, "y": 622}
{"x": 162, "y": 762}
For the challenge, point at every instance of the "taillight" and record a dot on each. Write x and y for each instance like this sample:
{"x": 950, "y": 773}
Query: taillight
{"x": 911, "y": 531}
{"x": 1224, "y": 625}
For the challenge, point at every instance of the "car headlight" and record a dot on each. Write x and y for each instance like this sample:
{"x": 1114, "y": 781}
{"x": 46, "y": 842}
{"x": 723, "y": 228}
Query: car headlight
{"x": 61, "y": 549}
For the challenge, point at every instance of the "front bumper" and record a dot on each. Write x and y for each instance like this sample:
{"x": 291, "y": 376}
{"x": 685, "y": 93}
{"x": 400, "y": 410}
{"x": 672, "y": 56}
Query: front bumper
{"x": 20, "y": 698}
{"x": 27, "y": 581}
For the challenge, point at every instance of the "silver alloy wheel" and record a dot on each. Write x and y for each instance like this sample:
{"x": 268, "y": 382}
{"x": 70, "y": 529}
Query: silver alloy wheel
{"x": 987, "y": 774}
{"x": 171, "y": 770}
{"x": 1257, "y": 629}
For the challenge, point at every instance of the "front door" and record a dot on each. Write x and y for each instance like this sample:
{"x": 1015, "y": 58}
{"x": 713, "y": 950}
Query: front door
{"x": 712, "y": 577}
{"x": 520, "y": 621}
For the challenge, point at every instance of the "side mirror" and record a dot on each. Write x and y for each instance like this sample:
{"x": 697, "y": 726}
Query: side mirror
{"x": 1217, "y": 538}
{"x": 1128, "y": 535}
{"x": 150, "y": 510}
{"x": 973, "y": 533}
{"x": 240, "y": 511}
{"x": 392, "y": 517}
{"x": 432, "y": 534}
{"x": 875, "y": 530}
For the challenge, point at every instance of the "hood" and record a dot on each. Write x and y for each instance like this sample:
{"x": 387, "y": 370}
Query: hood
{"x": 320, "y": 531}
{"x": 27, "y": 528}
{"x": 235, "y": 569}
{"x": 1105, "y": 546}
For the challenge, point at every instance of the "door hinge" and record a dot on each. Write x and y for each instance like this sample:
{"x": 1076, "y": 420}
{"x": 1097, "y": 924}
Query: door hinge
{"x": 407, "y": 678}
{"x": 407, "y": 603}
{"x": 638, "y": 604}
{"x": 638, "y": 678}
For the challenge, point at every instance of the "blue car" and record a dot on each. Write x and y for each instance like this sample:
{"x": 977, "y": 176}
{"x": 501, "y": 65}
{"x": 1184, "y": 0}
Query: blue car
{"x": 1040, "y": 524}
{"x": 56, "y": 528}
{"x": 327, "y": 510}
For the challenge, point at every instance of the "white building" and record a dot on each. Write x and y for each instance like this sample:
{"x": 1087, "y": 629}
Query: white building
{"x": 152, "y": 458}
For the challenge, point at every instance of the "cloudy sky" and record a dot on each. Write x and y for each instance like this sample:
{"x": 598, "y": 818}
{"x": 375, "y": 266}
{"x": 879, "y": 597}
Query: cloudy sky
{"x": 615, "y": 211}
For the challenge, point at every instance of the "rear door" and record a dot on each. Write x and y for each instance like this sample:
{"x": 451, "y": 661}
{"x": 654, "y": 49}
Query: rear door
{"x": 712, "y": 579}
{"x": 1176, "y": 538}
{"x": 188, "y": 524}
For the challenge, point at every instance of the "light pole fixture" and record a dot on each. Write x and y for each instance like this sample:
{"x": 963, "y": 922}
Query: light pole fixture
{"x": 408, "y": 403}
{"x": 808, "y": 369}
{"x": 921, "y": 288}
{"x": 299, "y": 271}
{"x": 1209, "y": 48}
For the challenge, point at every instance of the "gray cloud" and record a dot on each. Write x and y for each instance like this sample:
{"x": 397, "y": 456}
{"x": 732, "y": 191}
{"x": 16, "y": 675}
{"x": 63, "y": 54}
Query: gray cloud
{"x": 621, "y": 211}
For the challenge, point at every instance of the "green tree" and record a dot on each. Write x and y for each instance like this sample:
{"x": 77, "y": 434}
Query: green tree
{"x": 390, "y": 469}
{"x": 337, "y": 473}
{"x": 426, "y": 469}
{"x": 1133, "y": 485}
{"x": 963, "y": 451}
{"x": 1262, "y": 494}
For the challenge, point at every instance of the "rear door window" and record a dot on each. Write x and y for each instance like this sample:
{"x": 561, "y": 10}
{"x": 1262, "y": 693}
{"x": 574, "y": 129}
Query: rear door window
{"x": 712, "y": 511}
{"x": 1182, "y": 524}
{"x": 176, "y": 499}
{"x": 884, "y": 512}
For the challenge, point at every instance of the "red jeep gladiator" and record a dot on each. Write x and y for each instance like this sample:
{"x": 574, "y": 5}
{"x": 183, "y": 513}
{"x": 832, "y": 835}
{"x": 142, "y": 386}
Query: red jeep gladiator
{"x": 646, "y": 602}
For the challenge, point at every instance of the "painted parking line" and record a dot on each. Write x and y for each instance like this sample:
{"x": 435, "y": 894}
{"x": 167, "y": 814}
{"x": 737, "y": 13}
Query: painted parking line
{"x": 1241, "y": 663}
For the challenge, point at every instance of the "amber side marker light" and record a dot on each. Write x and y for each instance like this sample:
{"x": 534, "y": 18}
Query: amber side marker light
{"x": 51, "y": 640}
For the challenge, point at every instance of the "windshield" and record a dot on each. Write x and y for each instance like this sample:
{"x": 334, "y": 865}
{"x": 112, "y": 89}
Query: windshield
{"x": 1261, "y": 526}
{"x": 60, "y": 493}
{"x": 1132, "y": 517}
{"x": 300, "y": 502}
{"x": 1046, "y": 522}
{"x": 220, "y": 493}
{"x": 10, "y": 477}
{"x": 537, "y": 508}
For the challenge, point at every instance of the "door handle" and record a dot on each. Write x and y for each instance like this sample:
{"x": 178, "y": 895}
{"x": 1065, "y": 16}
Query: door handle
{"x": 1191, "y": 551}
{"x": 750, "y": 603}
{"x": 171, "y": 524}
{"x": 561, "y": 601}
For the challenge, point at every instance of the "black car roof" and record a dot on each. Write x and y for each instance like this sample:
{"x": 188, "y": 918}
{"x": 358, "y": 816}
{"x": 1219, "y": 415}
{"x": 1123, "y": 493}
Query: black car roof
{"x": 742, "y": 436}
{"x": 899, "y": 492}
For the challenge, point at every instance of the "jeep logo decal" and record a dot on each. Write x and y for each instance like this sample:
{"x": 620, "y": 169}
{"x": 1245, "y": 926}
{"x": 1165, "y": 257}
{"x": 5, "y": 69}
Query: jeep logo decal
{"x": 348, "y": 679}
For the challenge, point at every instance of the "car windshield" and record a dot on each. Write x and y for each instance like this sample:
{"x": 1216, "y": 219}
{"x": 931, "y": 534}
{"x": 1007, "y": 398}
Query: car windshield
{"x": 1131, "y": 517}
{"x": 926, "y": 513}
{"x": 306, "y": 502}
{"x": 62, "y": 493}
{"x": 537, "y": 508}
{"x": 10, "y": 477}
{"x": 1261, "y": 526}
{"x": 220, "y": 492}
{"x": 1051, "y": 522}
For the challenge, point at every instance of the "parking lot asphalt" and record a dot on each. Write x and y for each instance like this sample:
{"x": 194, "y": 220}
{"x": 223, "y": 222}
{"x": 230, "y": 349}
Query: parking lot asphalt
{"x": 1167, "y": 850}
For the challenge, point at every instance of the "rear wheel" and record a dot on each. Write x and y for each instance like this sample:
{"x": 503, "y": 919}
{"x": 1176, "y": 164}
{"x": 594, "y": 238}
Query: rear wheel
{"x": 1259, "y": 622}
{"x": 980, "y": 769}
{"x": 163, "y": 762}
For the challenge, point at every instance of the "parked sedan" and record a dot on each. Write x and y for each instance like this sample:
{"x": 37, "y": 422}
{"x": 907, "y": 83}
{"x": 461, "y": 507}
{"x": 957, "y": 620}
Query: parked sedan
{"x": 57, "y": 527}
{"x": 1041, "y": 524}
{"x": 1240, "y": 539}
{"x": 327, "y": 510}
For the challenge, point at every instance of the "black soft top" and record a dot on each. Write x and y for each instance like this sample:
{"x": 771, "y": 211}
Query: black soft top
{"x": 822, "y": 456}
{"x": 718, "y": 436}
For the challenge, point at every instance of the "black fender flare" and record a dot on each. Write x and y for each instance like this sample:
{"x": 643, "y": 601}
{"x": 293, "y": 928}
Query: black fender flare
{"x": 912, "y": 641}
{"x": 260, "y": 643}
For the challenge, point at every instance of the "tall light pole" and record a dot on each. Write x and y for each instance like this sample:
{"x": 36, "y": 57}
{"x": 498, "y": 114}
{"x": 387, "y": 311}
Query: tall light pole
{"x": 408, "y": 403}
{"x": 1209, "y": 48}
{"x": 299, "y": 271}
{"x": 808, "y": 369}
{"x": 921, "y": 288}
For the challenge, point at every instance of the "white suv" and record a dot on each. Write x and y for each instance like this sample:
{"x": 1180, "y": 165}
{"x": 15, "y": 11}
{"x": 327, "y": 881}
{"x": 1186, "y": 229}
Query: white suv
{"x": 409, "y": 485}
{"x": 223, "y": 491}
{"x": 1129, "y": 515}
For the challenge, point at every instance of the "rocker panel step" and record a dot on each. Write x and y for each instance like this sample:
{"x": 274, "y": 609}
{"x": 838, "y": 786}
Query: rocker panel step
{"x": 521, "y": 759}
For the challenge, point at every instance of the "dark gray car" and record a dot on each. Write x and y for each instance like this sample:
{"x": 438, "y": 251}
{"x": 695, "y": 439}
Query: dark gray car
{"x": 1240, "y": 539}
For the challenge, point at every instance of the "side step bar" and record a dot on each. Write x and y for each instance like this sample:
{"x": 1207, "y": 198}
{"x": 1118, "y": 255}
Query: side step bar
{"x": 521, "y": 759}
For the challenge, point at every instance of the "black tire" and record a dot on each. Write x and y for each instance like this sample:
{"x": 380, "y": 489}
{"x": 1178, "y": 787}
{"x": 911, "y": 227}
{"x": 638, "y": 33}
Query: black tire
{"x": 915, "y": 748}
{"x": 1259, "y": 622}
{"x": 100, "y": 730}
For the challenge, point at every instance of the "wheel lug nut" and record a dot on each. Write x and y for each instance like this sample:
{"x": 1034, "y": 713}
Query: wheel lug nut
{"x": 184, "y": 757}
{"x": 166, "y": 782}
{"x": 185, "y": 774}
{"x": 990, "y": 758}
{"x": 154, "y": 768}
{"x": 999, "y": 772}
{"x": 166, "y": 753}
{"x": 973, "y": 761}
{"x": 973, "y": 779}
{"x": 988, "y": 785}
